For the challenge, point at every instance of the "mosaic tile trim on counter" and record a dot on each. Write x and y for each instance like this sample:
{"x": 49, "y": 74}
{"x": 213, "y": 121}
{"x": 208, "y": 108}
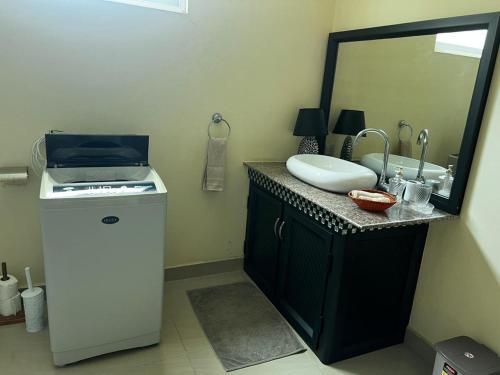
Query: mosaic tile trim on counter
{"x": 300, "y": 203}
{"x": 340, "y": 214}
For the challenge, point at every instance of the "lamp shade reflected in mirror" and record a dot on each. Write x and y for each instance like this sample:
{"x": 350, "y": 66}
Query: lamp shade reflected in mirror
{"x": 350, "y": 122}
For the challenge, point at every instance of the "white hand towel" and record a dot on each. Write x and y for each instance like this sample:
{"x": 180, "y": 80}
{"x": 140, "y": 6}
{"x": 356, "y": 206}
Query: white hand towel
{"x": 213, "y": 178}
{"x": 405, "y": 148}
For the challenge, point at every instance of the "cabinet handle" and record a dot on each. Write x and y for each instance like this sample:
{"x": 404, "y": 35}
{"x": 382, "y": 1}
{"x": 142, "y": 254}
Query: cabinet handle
{"x": 275, "y": 225}
{"x": 281, "y": 228}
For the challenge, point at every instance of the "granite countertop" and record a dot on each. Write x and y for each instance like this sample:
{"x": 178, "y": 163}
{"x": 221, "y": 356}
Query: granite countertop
{"x": 341, "y": 205}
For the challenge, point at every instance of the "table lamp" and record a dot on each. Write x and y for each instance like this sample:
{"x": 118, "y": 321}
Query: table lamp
{"x": 310, "y": 124}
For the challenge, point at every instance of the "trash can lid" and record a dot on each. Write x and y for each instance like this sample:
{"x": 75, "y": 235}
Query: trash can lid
{"x": 468, "y": 356}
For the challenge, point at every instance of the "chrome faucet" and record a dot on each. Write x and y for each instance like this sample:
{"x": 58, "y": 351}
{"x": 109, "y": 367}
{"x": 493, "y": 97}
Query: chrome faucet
{"x": 382, "y": 184}
{"x": 423, "y": 139}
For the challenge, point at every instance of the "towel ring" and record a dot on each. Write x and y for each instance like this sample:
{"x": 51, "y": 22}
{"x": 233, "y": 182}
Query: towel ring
{"x": 217, "y": 119}
{"x": 403, "y": 124}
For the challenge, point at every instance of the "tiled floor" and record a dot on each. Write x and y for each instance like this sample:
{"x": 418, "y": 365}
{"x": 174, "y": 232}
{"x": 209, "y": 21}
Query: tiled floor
{"x": 185, "y": 350}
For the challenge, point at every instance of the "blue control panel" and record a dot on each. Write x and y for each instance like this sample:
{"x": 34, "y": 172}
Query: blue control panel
{"x": 114, "y": 188}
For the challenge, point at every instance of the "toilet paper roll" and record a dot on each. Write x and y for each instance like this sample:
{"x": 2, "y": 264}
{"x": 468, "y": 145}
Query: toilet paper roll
{"x": 33, "y": 309}
{"x": 13, "y": 176}
{"x": 11, "y": 306}
{"x": 8, "y": 288}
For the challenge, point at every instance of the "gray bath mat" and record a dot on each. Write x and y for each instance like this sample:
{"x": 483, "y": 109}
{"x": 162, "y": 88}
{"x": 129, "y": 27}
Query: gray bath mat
{"x": 242, "y": 326}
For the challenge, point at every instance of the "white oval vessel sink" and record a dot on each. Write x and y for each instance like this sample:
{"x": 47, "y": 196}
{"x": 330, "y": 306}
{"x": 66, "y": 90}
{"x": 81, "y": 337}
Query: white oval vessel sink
{"x": 375, "y": 162}
{"x": 330, "y": 173}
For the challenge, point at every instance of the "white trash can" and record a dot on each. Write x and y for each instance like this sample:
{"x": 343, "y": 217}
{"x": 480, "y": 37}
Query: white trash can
{"x": 464, "y": 356}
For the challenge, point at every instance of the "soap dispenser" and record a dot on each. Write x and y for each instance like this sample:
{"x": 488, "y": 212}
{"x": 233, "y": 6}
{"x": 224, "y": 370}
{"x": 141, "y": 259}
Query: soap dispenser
{"x": 446, "y": 182}
{"x": 397, "y": 184}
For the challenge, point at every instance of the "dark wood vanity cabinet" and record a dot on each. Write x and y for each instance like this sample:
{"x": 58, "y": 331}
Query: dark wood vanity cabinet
{"x": 262, "y": 242}
{"x": 345, "y": 293}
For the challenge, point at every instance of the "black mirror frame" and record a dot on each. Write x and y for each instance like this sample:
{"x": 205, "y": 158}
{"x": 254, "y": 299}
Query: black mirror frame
{"x": 489, "y": 21}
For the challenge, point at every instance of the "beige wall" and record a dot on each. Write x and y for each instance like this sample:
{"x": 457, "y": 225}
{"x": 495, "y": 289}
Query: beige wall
{"x": 404, "y": 79}
{"x": 88, "y": 65}
{"x": 97, "y": 66}
{"x": 459, "y": 285}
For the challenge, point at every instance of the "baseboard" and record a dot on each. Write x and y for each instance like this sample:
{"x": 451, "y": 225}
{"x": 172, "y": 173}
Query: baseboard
{"x": 420, "y": 346}
{"x": 191, "y": 270}
{"x": 203, "y": 269}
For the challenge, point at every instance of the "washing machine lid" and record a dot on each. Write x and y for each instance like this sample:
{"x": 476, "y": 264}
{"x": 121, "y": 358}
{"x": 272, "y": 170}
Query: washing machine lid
{"x": 84, "y": 150}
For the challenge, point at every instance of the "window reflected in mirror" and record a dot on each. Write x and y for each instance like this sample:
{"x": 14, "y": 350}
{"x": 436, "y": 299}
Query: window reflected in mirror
{"x": 463, "y": 43}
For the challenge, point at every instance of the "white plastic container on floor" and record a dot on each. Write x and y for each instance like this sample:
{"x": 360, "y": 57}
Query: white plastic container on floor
{"x": 33, "y": 305}
{"x": 464, "y": 356}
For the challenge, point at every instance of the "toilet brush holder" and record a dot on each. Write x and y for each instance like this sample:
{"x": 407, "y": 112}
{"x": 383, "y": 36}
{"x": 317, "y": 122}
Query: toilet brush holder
{"x": 33, "y": 301}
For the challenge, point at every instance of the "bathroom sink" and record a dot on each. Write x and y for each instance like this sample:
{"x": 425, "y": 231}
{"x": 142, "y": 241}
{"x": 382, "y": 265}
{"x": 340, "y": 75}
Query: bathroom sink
{"x": 330, "y": 173}
{"x": 375, "y": 162}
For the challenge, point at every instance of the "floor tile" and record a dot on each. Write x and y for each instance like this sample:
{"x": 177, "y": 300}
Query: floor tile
{"x": 185, "y": 350}
{"x": 298, "y": 364}
{"x": 202, "y": 357}
{"x": 393, "y": 360}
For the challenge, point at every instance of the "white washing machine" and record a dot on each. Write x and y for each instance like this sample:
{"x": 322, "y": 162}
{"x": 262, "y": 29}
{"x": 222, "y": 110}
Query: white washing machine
{"x": 103, "y": 212}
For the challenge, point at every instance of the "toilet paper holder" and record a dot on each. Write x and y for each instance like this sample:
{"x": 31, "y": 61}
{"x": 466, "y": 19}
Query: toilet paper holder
{"x": 14, "y": 175}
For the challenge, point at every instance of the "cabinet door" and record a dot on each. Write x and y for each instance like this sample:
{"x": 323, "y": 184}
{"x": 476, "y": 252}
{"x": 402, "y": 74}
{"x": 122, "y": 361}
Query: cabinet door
{"x": 305, "y": 262}
{"x": 262, "y": 243}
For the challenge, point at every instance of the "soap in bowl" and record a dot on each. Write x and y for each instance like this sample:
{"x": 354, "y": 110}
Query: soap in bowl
{"x": 371, "y": 205}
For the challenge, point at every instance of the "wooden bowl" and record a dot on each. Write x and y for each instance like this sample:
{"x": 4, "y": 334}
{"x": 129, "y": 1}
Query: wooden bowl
{"x": 374, "y": 206}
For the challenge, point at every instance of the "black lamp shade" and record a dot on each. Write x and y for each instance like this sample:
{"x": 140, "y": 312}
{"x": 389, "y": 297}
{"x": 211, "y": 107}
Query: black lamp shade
{"x": 350, "y": 122}
{"x": 310, "y": 122}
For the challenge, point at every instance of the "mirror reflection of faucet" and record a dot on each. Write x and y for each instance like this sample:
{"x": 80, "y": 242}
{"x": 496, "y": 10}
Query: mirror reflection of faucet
{"x": 423, "y": 139}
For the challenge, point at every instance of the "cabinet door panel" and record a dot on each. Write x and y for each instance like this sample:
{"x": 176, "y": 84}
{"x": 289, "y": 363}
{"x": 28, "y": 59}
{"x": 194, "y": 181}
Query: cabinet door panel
{"x": 262, "y": 244}
{"x": 305, "y": 261}
{"x": 379, "y": 276}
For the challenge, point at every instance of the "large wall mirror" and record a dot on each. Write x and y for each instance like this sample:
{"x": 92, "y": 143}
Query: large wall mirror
{"x": 432, "y": 75}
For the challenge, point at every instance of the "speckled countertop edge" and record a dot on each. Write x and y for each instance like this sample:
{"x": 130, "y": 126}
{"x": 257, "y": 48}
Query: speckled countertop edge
{"x": 341, "y": 205}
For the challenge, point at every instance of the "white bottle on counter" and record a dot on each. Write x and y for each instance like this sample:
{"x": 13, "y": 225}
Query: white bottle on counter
{"x": 397, "y": 184}
{"x": 446, "y": 182}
